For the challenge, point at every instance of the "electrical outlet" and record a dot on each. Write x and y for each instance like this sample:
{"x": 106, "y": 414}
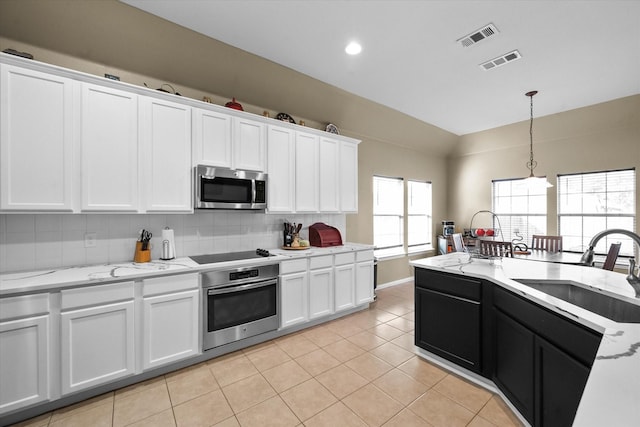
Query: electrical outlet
{"x": 516, "y": 230}
{"x": 90, "y": 240}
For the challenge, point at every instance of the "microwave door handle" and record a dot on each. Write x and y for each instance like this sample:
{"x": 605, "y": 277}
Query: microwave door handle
{"x": 229, "y": 289}
{"x": 253, "y": 191}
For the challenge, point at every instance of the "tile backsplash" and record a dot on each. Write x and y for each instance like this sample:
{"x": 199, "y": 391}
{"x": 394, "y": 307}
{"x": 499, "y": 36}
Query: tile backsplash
{"x": 41, "y": 241}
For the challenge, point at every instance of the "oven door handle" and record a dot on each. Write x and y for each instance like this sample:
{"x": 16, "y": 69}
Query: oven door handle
{"x": 236, "y": 288}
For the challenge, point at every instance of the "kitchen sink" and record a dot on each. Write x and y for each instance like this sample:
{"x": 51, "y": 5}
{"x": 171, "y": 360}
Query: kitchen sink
{"x": 612, "y": 308}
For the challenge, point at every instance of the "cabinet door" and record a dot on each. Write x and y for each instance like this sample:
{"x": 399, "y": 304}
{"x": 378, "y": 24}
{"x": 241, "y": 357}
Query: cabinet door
{"x": 561, "y": 381}
{"x": 329, "y": 178}
{"x": 320, "y": 292}
{"x": 170, "y": 328}
{"x": 364, "y": 282}
{"x": 281, "y": 169}
{"x": 211, "y": 138}
{"x": 344, "y": 286}
{"x": 97, "y": 345}
{"x": 248, "y": 145}
{"x": 36, "y": 141}
{"x": 294, "y": 296}
{"x": 307, "y": 186}
{"x": 514, "y": 363}
{"x": 348, "y": 176}
{"x": 109, "y": 149}
{"x": 449, "y": 326}
{"x": 166, "y": 155}
{"x": 24, "y": 362}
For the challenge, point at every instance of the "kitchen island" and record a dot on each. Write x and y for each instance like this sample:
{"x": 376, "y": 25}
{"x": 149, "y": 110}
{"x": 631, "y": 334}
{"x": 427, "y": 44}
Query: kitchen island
{"x": 612, "y": 388}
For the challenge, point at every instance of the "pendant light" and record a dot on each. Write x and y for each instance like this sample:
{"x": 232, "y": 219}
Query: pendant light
{"x": 533, "y": 181}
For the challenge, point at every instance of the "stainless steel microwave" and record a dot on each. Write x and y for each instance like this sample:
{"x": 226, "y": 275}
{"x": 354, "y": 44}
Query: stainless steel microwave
{"x": 222, "y": 188}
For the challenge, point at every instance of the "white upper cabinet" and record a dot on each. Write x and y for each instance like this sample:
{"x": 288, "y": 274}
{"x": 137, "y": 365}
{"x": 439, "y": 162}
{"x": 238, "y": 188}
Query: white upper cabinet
{"x": 36, "y": 140}
{"x": 281, "y": 169}
{"x": 109, "y": 135}
{"x": 211, "y": 138}
{"x": 329, "y": 178}
{"x": 348, "y": 173}
{"x": 165, "y": 137}
{"x": 306, "y": 176}
{"x": 248, "y": 144}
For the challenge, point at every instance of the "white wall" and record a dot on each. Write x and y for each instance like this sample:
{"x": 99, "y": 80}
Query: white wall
{"x": 35, "y": 242}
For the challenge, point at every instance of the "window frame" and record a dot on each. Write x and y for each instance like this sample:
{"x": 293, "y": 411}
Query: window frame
{"x": 506, "y": 229}
{"x": 396, "y": 249}
{"x": 428, "y": 243}
{"x": 602, "y": 246}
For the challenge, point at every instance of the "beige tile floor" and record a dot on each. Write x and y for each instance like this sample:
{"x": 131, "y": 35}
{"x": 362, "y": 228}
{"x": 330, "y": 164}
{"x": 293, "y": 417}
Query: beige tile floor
{"x": 360, "y": 370}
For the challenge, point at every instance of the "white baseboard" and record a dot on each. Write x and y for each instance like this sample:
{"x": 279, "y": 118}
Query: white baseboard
{"x": 395, "y": 282}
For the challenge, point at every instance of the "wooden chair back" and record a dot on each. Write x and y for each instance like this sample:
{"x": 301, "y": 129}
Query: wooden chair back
{"x": 495, "y": 248}
{"x": 547, "y": 243}
{"x": 612, "y": 256}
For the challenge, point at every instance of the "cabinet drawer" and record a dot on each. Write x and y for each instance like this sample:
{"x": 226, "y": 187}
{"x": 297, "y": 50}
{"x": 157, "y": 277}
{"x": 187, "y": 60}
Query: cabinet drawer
{"x": 23, "y": 306}
{"x": 573, "y": 338}
{"x": 364, "y": 256}
{"x": 345, "y": 258}
{"x": 320, "y": 262}
{"x": 164, "y": 285}
{"x": 94, "y": 295}
{"x": 293, "y": 266}
{"x": 449, "y": 284}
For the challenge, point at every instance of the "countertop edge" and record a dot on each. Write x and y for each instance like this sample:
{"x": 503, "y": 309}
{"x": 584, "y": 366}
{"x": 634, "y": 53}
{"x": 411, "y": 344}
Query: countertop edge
{"x": 48, "y": 280}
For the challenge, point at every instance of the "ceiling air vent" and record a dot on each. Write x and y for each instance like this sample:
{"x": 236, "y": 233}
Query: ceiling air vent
{"x": 501, "y": 60}
{"x": 481, "y": 34}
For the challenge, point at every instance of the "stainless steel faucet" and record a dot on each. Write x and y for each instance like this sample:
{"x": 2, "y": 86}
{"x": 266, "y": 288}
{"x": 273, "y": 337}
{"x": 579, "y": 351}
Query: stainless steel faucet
{"x": 587, "y": 256}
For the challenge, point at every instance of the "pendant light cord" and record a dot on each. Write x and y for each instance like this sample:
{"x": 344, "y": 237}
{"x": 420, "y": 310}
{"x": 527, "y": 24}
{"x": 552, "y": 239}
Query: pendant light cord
{"x": 532, "y": 163}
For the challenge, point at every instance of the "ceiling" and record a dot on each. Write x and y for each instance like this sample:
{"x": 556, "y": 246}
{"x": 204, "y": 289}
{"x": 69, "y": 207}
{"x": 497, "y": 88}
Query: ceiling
{"x": 575, "y": 53}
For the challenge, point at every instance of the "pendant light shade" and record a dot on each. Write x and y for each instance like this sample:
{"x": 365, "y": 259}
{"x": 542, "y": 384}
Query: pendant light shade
{"x": 533, "y": 181}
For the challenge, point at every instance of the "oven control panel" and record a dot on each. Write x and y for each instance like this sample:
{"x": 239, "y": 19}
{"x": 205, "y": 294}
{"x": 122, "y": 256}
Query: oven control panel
{"x": 246, "y": 274}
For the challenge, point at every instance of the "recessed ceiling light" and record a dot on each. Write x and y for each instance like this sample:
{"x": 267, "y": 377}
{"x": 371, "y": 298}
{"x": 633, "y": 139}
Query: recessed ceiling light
{"x": 353, "y": 48}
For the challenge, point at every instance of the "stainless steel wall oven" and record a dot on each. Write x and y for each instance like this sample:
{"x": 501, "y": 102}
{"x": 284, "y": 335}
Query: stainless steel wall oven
{"x": 239, "y": 303}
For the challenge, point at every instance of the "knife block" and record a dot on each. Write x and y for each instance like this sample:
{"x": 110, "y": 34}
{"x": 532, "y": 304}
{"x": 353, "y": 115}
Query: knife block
{"x": 140, "y": 255}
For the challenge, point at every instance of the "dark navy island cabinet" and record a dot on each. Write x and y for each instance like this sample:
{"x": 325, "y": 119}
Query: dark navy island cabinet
{"x": 540, "y": 360}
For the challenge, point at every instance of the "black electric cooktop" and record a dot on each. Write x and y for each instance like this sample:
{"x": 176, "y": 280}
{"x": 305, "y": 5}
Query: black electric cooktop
{"x": 230, "y": 256}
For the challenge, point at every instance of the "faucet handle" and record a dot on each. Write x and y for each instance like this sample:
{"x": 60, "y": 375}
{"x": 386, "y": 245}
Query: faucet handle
{"x": 632, "y": 266}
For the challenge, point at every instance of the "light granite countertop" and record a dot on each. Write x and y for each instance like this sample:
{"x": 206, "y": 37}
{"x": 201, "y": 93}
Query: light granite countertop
{"x": 612, "y": 391}
{"x": 65, "y": 277}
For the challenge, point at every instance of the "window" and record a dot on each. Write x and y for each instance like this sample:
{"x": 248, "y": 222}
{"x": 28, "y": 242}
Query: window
{"x": 388, "y": 216}
{"x": 592, "y": 202}
{"x": 521, "y": 211}
{"x": 419, "y": 226}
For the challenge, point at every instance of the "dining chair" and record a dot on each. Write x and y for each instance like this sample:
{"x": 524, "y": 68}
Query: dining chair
{"x": 612, "y": 256}
{"x": 496, "y": 248}
{"x": 547, "y": 243}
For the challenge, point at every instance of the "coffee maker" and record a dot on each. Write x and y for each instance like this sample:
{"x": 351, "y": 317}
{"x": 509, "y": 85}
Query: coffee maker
{"x": 448, "y": 228}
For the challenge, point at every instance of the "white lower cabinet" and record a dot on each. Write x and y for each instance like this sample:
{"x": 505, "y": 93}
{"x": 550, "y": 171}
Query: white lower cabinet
{"x": 97, "y": 335}
{"x": 364, "y": 282}
{"x": 344, "y": 286}
{"x": 364, "y": 277}
{"x": 294, "y": 295}
{"x": 24, "y": 351}
{"x": 320, "y": 292}
{"x": 170, "y": 320}
{"x": 344, "y": 280}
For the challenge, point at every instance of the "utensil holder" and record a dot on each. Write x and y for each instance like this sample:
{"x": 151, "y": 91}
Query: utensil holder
{"x": 141, "y": 255}
{"x": 287, "y": 239}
